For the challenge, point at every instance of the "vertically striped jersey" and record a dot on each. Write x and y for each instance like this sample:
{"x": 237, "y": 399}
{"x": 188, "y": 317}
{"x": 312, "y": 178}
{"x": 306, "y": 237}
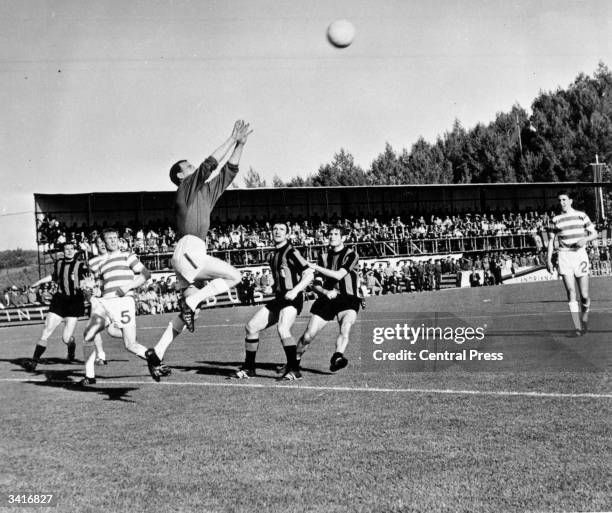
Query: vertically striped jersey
{"x": 68, "y": 275}
{"x": 344, "y": 259}
{"x": 287, "y": 266}
{"x": 570, "y": 228}
{"x": 116, "y": 270}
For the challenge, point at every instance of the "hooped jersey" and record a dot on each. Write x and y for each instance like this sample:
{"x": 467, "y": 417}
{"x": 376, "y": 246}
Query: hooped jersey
{"x": 570, "y": 227}
{"x": 116, "y": 270}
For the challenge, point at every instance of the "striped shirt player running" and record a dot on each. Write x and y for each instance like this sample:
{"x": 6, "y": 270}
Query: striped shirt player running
{"x": 67, "y": 304}
{"x": 121, "y": 273}
{"x": 337, "y": 285}
{"x": 291, "y": 277}
{"x": 571, "y": 231}
{"x": 94, "y": 267}
{"x": 196, "y": 196}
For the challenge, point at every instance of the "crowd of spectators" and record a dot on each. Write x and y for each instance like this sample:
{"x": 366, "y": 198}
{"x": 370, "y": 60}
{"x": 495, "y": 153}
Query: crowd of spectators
{"x": 160, "y": 236}
{"x": 484, "y": 268}
{"x": 13, "y": 297}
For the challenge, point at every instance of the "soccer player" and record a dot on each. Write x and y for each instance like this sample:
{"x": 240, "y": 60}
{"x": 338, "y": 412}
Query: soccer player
{"x": 121, "y": 273}
{"x": 195, "y": 199}
{"x": 68, "y": 303}
{"x": 291, "y": 277}
{"x": 572, "y": 230}
{"x": 338, "y": 287}
{"x": 94, "y": 269}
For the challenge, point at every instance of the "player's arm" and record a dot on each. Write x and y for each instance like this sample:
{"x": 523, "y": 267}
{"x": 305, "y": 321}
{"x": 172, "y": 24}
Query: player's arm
{"x": 46, "y": 279}
{"x": 297, "y": 262}
{"x": 591, "y": 232}
{"x": 336, "y": 275}
{"x": 222, "y": 181}
{"x": 221, "y": 152}
{"x": 143, "y": 275}
{"x": 349, "y": 263}
{"x": 321, "y": 291}
{"x": 210, "y": 164}
{"x": 551, "y": 250}
{"x": 243, "y": 130}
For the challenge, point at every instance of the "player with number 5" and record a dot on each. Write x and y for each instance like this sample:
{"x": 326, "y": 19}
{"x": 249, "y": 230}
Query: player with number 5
{"x": 572, "y": 230}
{"x": 121, "y": 273}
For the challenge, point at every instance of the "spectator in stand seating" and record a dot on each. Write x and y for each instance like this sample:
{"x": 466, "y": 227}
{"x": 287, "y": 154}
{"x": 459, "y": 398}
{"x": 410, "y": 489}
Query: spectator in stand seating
{"x": 474, "y": 278}
{"x": 32, "y": 296}
{"x": 373, "y": 284}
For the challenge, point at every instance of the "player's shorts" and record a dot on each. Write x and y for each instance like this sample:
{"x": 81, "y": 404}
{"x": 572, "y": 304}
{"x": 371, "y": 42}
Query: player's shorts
{"x": 67, "y": 306}
{"x": 188, "y": 259}
{"x": 120, "y": 311}
{"x": 574, "y": 263}
{"x": 327, "y": 309}
{"x": 278, "y": 303}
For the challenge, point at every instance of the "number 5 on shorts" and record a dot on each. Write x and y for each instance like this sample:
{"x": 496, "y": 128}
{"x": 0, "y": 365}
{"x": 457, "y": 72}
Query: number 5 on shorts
{"x": 126, "y": 318}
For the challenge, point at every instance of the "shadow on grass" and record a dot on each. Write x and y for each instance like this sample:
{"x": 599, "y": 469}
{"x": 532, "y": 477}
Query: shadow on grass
{"x": 62, "y": 379}
{"x": 20, "y": 362}
{"x": 221, "y": 368}
{"x": 69, "y": 379}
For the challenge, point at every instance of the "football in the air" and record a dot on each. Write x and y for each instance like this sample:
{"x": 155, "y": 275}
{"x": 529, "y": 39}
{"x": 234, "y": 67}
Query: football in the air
{"x": 341, "y": 33}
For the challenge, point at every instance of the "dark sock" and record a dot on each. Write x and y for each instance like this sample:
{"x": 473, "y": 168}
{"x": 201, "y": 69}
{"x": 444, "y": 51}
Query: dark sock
{"x": 38, "y": 351}
{"x": 336, "y": 355}
{"x": 249, "y": 361}
{"x": 251, "y": 352}
{"x": 292, "y": 362}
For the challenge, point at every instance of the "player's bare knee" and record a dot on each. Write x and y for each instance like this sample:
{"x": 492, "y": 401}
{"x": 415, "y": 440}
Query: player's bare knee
{"x": 308, "y": 337}
{"x": 96, "y": 325}
{"x": 284, "y": 331}
{"x": 177, "y": 325}
{"x": 250, "y": 329}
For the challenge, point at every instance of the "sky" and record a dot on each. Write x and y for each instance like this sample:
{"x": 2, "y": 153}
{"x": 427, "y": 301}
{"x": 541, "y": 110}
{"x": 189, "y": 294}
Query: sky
{"x": 104, "y": 95}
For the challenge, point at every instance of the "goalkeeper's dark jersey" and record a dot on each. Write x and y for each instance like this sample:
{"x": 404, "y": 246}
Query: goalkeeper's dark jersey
{"x": 195, "y": 197}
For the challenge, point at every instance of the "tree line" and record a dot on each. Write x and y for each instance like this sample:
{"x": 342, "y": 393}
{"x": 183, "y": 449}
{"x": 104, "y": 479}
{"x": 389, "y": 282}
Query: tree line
{"x": 557, "y": 142}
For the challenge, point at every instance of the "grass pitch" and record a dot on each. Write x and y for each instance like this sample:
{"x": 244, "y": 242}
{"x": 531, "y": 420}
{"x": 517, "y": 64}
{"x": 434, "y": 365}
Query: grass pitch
{"x": 514, "y": 440}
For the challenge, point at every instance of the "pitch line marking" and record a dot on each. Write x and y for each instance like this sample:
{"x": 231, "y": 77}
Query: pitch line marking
{"x": 509, "y": 393}
{"x": 496, "y": 315}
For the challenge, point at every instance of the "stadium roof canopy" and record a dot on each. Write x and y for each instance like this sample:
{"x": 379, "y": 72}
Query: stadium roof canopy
{"x": 261, "y": 203}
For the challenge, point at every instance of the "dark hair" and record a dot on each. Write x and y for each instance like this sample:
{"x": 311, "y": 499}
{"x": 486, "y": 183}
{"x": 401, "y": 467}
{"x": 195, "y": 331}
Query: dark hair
{"x": 174, "y": 171}
{"x": 68, "y": 243}
{"x": 564, "y": 192}
{"x": 343, "y": 231}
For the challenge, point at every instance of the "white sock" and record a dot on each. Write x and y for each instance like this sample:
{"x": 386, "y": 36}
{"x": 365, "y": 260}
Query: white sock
{"x": 99, "y": 348}
{"x": 90, "y": 362}
{"x": 175, "y": 327}
{"x": 215, "y": 287}
{"x": 137, "y": 349}
{"x": 575, "y": 311}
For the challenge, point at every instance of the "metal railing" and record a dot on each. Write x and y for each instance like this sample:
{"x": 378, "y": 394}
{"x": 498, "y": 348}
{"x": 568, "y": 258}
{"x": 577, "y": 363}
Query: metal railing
{"x": 378, "y": 249}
